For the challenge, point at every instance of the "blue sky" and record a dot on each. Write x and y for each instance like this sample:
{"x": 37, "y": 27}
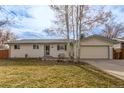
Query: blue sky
{"x": 29, "y": 21}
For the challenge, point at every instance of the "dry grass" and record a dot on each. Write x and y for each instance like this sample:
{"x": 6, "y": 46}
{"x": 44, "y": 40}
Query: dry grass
{"x": 33, "y": 73}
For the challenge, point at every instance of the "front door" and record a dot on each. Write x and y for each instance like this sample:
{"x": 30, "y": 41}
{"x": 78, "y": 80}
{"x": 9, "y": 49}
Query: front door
{"x": 47, "y": 50}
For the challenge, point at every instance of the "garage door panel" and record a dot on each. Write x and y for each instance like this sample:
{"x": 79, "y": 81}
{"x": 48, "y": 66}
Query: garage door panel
{"x": 94, "y": 52}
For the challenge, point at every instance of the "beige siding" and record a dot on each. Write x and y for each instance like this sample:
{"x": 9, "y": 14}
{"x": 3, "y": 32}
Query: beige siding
{"x": 95, "y": 41}
{"x": 27, "y": 49}
{"x": 34, "y": 53}
{"x": 54, "y": 52}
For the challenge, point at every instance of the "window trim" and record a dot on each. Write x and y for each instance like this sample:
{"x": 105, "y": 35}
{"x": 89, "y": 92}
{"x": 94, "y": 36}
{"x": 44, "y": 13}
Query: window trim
{"x": 16, "y": 46}
{"x": 35, "y": 46}
{"x": 61, "y": 47}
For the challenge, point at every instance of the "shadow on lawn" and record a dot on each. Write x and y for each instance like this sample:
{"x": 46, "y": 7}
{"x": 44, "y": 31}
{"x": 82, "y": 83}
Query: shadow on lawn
{"x": 37, "y": 62}
{"x": 32, "y": 62}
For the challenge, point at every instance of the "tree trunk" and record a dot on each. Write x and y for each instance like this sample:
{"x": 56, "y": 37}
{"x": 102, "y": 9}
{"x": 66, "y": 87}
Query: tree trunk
{"x": 67, "y": 28}
{"x": 73, "y": 29}
{"x": 78, "y": 57}
{"x": 79, "y": 33}
{"x": 77, "y": 30}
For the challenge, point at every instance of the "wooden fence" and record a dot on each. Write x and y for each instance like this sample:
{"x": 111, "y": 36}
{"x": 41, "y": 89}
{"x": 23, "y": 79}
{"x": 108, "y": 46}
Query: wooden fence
{"x": 118, "y": 55}
{"x": 122, "y": 53}
{"x": 4, "y": 54}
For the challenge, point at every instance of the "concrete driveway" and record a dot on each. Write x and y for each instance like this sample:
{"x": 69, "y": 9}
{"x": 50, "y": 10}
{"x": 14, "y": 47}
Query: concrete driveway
{"x": 113, "y": 67}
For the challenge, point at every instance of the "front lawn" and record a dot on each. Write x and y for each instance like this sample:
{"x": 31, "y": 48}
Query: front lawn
{"x": 35, "y": 73}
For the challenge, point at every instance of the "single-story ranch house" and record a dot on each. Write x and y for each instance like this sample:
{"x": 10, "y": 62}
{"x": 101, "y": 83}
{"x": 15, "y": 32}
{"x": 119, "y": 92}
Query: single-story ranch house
{"x": 92, "y": 47}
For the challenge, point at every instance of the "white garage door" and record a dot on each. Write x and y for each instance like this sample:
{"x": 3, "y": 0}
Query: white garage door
{"x": 94, "y": 52}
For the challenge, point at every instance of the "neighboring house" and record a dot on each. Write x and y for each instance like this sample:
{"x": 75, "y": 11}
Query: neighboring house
{"x": 119, "y": 49}
{"x": 92, "y": 47}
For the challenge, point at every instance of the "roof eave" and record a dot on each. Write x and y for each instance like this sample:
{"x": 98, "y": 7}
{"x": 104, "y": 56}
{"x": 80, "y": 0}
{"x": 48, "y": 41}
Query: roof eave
{"x": 102, "y": 38}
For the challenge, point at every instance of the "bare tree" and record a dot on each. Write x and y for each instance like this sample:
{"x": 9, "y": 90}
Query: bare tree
{"x": 71, "y": 21}
{"x": 63, "y": 20}
{"x": 6, "y": 35}
{"x": 88, "y": 17}
{"x": 67, "y": 28}
{"x": 113, "y": 29}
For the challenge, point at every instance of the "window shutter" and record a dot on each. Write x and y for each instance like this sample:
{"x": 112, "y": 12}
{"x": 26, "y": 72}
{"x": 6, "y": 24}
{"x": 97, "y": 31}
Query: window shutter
{"x": 37, "y": 46}
{"x": 57, "y": 47}
{"x": 65, "y": 47}
{"x": 15, "y": 46}
{"x": 34, "y": 46}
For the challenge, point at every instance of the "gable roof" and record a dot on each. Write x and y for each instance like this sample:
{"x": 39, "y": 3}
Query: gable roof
{"x": 32, "y": 41}
{"x": 119, "y": 39}
{"x": 101, "y": 38}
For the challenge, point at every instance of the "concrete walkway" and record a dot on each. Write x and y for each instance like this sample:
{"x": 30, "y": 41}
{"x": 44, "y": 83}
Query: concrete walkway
{"x": 113, "y": 67}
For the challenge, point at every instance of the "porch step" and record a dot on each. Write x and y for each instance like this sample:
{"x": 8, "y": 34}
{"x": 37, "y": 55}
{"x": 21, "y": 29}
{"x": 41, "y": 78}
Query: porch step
{"x": 48, "y": 57}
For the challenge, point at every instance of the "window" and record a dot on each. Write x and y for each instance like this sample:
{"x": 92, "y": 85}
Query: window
{"x": 61, "y": 47}
{"x": 65, "y": 47}
{"x": 17, "y": 46}
{"x": 35, "y": 46}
